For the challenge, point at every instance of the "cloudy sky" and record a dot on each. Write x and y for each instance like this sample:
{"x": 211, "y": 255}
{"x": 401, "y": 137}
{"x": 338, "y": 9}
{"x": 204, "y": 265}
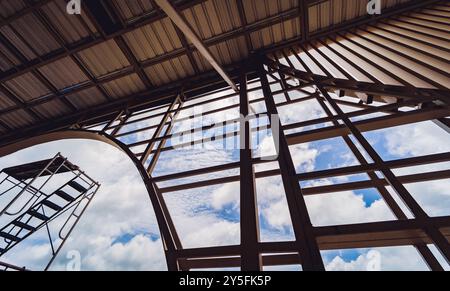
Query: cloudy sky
{"x": 119, "y": 231}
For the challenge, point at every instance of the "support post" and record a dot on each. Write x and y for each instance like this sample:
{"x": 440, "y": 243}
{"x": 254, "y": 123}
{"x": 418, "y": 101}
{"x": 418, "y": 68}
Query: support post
{"x": 250, "y": 256}
{"x": 301, "y": 223}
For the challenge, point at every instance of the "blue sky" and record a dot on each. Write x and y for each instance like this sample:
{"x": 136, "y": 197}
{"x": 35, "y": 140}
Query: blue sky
{"x": 119, "y": 230}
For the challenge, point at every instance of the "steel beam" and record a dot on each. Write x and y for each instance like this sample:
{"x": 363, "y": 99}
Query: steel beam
{"x": 249, "y": 222}
{"x": 301, "y": 223}
{"x": 179, "y": 21}
{"x": 434, "y": 233}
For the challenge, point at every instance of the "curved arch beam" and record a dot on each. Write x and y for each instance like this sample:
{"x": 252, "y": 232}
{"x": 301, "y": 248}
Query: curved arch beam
{"x": 166, "y": 236}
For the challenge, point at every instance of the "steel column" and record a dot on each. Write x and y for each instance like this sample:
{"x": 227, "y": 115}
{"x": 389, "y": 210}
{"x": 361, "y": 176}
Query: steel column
{"x": 301, "y": 223}
{"x": 250, "y": 256}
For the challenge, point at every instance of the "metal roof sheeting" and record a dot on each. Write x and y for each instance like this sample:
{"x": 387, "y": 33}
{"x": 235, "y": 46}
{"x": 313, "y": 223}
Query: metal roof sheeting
{"x": 101, "y": 70}
{"x": 7, "y": 59}
{"x": 5, "y": 102}
{"x": 10, "y": 7}
{"x": 33, "y": 32}
{"x": 124, "y": 86}
{"x": 63, "y": 73}
{"x": 86, "y": 98}
{"x": 168, "y": 71}
{"x": 142, "y": 40}
{"x": 104, "y": 58}
{"x": 17, "y": 119}
{"x": 51, "y": 109}
{"x": 71, "y": 28}
{"x": 133, "y": 8}
{"x": 334, "y": 12}
{"x": 27, "y": 87}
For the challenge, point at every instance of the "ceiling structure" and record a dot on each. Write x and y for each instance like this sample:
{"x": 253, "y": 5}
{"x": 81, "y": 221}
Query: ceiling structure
{"x": 57, "y": 65}
{"x": 127, "y": 72}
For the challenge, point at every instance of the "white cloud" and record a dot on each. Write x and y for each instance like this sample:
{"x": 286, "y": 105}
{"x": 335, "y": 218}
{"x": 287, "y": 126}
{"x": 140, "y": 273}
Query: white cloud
{"x": 417, "y": 139}
{"x": 225, "y": 195}
{"x": 345, "y": 208}
{"x": 277, "y": 214}
{"x": 404, "y": 258}
{"x": 140, "y": 253}
{"x": 120, "y": 207}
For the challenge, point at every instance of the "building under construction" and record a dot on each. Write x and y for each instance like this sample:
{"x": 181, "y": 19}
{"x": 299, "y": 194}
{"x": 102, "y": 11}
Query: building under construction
{"x": 131, "y": 73}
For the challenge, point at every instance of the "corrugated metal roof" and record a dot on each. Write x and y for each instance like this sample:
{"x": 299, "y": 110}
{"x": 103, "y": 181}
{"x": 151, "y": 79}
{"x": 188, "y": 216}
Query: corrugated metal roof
{"x": 124, "y": 86}
{"x": 18, "y": 43}
{"x": 260, "y": 9}
{"x": 63, "y": 73}
{"x": 27, "y": 87}
{"x": 153, "y": 40}
{"x": 87, "y": 98}
{"x": 170, "y": 70}
{"x": 276, "y": 33}
{"x": 10, "y": 7}
{"x": 52, "y": 108}
{"x": 71, "y": 28}
{"x": 5, "y": 102}
{"x": 7, "y": 59}
{"x": 158, "y": 49}
{"x": 33, "y": 32}
{"x": 17, "y": 119}
{"x": 335, "y": 12}
{"x": 133, "y": 8}
{"x": 104, "y": 58}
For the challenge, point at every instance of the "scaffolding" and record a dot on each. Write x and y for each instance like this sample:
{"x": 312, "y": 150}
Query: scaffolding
{"x": 47, "y": 196}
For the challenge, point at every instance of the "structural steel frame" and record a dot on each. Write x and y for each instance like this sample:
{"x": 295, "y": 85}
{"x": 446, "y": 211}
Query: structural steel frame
{"x": 142, "y": 128}
{"x": 253, "y": 254}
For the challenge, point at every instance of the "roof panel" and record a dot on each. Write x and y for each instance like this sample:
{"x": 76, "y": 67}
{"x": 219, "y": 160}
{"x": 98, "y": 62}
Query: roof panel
{"x": 71, "y": 28}
{"x": 17, "y": 42}
{"x": 27, "y": 87}
{"x": 333, "y": 12}
{"x": 141, "y": 41}
{"x": 132, "y": 8}
{"x": 63, "y": 73}
{"x": 124, "y": 86}
{"x": 86, "y": 98}
{"x": 7, "y": 59}
{"x": 166, "y": 35}
{"x": 196, "y": 17}
{"x": 171, "y": 70}
{"x": 156, "y": 76}
{"x": 201, "y": 62}
{"x": 11, "y": 7}
{"x": 52, "y": 109}
{"x": 17, "y": 119}
{"x": 31, "y": 30}
{"x": 104, "y": 58}
{"x": 276, "y": 33}
{"x": 153, "y": 40}
{"x": 5, "y": 102}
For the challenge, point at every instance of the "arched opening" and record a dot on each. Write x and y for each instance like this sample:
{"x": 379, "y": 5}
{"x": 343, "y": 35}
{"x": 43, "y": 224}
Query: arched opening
{"x": 119, "y": 230}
